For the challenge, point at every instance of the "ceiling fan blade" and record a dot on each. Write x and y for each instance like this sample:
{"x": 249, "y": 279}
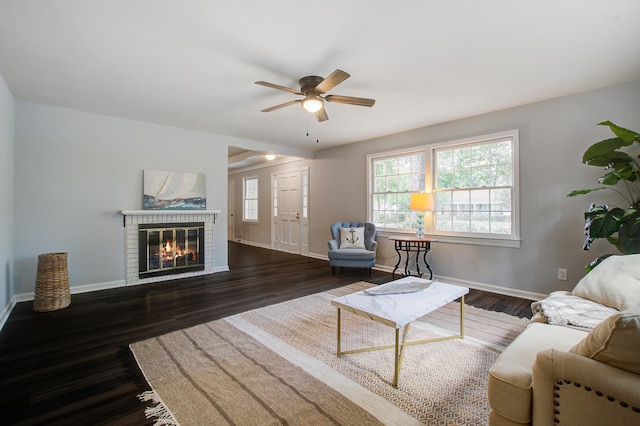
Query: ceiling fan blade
{"x": 286, "y": 104}
{"x": 321, "y": 115}
{"x": 332, "y": 80}
{"x": 351, "y": 100}
{"x": 276, "y": 86}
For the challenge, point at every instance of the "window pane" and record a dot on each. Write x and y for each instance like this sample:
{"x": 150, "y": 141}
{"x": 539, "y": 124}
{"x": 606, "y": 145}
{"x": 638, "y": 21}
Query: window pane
{"x": 461, "y": 178}
{"x": 473, "y": 187}
{"x": 460, "y": 222}
{"x": 481, "y": 176}
{"x": 480, "y": 223}
{"x": 444, "y": 180}
{"x": 443, "y": 201}
{"x": 501, "y": 200}
{"x": 443, "y": 221}
{"x": 501, "y": 223}
{"x": 380, "y": 184}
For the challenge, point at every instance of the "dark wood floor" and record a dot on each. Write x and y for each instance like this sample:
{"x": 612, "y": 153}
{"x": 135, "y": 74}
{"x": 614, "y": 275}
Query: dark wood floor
{"x": 73, "y": 366}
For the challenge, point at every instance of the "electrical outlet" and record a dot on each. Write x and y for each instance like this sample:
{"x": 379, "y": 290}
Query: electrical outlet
{"x": 562, "y": 274}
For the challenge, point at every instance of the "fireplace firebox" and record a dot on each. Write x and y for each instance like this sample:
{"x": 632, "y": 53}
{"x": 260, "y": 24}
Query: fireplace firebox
{"x": 170, "y": 248}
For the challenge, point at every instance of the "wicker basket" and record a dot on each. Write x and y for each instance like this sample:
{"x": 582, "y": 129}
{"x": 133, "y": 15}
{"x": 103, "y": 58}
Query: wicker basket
{"x": 52, "y": 283}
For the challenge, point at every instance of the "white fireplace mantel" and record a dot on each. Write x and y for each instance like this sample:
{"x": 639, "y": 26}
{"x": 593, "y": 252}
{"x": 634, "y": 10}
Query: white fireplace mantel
{"x": 126, "y": 213}
{"x": 133, "y": 218}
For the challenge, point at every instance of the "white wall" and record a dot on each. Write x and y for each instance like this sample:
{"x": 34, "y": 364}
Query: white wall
{"x": 553, "y": 136}
{"x": 75, "y": 171}
{"x": 7, "y": 114}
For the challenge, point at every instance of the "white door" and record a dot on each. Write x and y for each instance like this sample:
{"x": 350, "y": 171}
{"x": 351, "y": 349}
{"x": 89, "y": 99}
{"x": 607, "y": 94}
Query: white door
{"x": 231, "y": 208}
{"x": 289, "y": 207}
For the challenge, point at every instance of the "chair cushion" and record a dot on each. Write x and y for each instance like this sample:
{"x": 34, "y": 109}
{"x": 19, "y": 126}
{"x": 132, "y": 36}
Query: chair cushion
{"x": 352, "y": 238}
{"x": 510, "y": 377}
{"x": 615, "y": 282}
{"x": 351, "y": 254}
{"x": 616, "y": 341}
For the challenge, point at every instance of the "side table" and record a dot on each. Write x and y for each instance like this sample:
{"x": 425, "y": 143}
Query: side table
{"x": 412, "y": 244}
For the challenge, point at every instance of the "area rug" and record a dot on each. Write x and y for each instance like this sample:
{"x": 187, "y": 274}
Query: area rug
{"x": 277, "y": 365}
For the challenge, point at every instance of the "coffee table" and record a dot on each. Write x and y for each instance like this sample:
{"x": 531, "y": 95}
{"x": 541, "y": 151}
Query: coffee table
{"x": 398, "y": 311}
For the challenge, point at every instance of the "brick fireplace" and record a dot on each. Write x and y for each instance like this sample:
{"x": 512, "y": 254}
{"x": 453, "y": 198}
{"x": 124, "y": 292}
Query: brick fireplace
{"x": 179, "y": 243}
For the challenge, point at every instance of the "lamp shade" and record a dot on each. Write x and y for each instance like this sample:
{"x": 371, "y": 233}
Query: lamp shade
{"x": 420, "y": 201}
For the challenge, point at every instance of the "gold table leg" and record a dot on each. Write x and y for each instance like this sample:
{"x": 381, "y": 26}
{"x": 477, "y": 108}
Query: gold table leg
{"x": 398, "y": 346}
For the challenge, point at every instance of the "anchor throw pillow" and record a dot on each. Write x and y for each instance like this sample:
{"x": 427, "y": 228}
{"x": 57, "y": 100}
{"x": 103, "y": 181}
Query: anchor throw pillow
{"x": 352, "y": 238}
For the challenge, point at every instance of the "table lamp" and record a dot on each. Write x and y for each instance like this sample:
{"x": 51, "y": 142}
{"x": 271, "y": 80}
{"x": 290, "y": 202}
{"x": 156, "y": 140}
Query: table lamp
{"x": 420, "y": 202}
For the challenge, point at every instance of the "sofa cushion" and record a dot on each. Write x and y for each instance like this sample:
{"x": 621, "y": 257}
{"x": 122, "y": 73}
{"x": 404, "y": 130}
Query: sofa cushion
{"x": 615, "y": 282}
{"x": 616, "y": 341}
{"x": 510, "y": 377}
{"x": 352, "y": 238}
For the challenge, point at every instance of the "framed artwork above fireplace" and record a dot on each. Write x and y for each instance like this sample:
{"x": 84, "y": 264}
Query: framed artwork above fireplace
{"x": 174, "y": 190}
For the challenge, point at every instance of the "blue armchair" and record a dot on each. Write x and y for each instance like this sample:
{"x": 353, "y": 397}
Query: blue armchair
{"x": 353, "y": 245}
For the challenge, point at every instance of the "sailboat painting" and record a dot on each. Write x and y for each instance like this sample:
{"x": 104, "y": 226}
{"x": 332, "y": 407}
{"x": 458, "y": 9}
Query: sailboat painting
{"x": 174, "y": 190}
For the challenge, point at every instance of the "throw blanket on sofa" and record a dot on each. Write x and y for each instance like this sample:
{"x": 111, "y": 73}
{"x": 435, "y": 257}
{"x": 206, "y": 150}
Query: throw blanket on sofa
{"x": 572, "y": 310}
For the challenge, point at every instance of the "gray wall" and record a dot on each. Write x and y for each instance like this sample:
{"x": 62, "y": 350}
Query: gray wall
{"x": 553, "y": 136}
{"x": 7, "y": 113}
{"x": 75, "y": 171}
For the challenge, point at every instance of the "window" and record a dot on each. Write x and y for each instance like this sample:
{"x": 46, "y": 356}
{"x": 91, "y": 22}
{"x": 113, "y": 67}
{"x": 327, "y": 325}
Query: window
{"x": 394, "y": 178}
{"x": 250, "y": 199}
{"x": 474, "y": 187}
{"x": 474, "y": 184}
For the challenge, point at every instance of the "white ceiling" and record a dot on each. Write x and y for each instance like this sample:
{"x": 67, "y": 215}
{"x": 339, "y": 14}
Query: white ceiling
{"x": 193, "y": 63}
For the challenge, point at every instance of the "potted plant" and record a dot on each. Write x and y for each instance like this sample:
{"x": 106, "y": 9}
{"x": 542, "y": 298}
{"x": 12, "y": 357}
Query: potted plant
{"x": 620, "y": 226}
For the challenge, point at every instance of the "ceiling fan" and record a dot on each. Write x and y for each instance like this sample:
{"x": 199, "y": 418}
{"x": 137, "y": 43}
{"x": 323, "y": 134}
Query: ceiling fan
{"x": 313, "y": 88}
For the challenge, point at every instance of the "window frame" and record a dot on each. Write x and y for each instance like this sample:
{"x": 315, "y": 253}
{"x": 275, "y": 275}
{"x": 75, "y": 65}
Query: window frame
{"x": 501, "y": 240}
{"x": 371, "y": 184}
{"x": 245, "y": 198}
{"x": 512, "y": 240}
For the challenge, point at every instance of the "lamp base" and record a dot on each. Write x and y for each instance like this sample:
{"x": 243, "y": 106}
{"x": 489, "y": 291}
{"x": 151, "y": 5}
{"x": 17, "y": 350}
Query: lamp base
{"x": 419, "y": 226}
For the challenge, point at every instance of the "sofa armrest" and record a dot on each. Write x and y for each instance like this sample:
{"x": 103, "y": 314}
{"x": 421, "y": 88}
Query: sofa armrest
{"x": 333, "y": 245}
{"x": 573, "y": 389}
{"x": 373, "y": 245}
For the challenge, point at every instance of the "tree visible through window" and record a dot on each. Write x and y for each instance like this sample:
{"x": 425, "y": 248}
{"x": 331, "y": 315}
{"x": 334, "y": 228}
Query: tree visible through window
{"x": 474, "y": 188}
{"x": 250, "y": 199}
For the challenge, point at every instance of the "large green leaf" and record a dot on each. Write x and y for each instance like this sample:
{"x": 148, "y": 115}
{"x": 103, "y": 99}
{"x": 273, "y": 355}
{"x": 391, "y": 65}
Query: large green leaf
{"x": 610, "y": 178}
{"x": 602, "y": 148}
{"x": 627, "y": 136}
{"x": 576, "y": 192}
{"x": 600, "y": 222}
{"x": 615, "y": 159}
{"x": 629, "y": 232}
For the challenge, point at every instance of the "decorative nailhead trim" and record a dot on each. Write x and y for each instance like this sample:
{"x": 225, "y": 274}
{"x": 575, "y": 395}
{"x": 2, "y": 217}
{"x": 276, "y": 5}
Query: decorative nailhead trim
{"x": 556, "y": 395}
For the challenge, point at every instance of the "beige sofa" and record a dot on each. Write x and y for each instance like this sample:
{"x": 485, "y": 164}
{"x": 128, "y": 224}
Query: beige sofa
{"x": 555, "y": 372}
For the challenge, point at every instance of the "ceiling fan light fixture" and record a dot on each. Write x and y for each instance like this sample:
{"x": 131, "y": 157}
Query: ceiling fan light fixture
{"x": 312, "y": 103}
{"x": 269, "y": 157}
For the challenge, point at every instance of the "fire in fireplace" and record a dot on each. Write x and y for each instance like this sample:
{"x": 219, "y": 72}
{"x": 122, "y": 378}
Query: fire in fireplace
{"x": 170, "y": 248}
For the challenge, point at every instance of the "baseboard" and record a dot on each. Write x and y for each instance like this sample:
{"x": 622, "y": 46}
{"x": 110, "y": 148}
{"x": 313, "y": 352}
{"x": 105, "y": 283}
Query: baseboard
{"x": 252, "y": 243}
{"x": 522, "y": 294}
{"x": 6, "y": 311}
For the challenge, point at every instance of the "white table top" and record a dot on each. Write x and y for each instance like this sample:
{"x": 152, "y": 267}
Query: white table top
{"x": 398, "y": 310}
